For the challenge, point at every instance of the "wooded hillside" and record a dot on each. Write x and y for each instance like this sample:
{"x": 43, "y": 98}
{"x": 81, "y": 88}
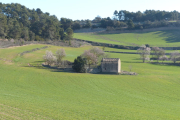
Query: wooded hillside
{"x": 17, "y": 21}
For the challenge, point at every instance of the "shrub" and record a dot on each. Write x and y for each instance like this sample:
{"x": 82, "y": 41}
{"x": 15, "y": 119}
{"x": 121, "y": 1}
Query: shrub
{"x": 79, "y": 65}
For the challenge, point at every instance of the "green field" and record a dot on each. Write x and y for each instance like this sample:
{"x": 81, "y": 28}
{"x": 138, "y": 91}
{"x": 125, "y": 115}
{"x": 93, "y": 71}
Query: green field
{"x": 41, "y": 93}
{"x": 163, "y": 38}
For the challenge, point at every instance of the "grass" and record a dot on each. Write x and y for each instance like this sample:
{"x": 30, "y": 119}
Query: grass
{"x": 40, "y": 93}
{"x": 173, "y": 21}
{"x": 163, "y": 38}
{"x": 135, "y": 51}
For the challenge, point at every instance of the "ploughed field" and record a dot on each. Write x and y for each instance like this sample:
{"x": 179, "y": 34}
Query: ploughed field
{"x": 36, "y": 92}
{"x": 159, "y": 38}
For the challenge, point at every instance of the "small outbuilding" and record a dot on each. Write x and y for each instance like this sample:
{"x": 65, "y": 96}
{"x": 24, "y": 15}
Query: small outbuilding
{"x": 111, "y": 65}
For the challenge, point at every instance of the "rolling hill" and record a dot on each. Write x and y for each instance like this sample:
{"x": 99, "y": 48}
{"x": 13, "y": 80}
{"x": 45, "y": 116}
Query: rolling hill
{"x": 155, "y": 37}
{"x": 43, "y": 93}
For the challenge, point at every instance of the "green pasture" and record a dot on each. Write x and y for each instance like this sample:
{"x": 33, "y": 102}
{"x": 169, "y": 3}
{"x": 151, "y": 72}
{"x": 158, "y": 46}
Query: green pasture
{"x": 43, "y": 93}
{"x": 163, "y": 38}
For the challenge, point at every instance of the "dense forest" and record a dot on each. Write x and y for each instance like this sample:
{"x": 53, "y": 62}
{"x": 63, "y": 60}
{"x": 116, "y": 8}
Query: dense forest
{"x": 17, "y": 21}
{"x": 139, "y": 20}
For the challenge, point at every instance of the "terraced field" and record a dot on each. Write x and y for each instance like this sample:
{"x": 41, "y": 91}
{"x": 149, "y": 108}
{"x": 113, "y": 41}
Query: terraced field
{"x": 160, "y": 38}
{"x": 41, "y": 93}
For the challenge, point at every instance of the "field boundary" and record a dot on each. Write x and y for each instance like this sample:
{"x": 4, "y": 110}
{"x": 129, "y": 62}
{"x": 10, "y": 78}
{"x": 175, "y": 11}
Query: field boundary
{"x": 109, "y": 45}
{"x": 133, "y": 52}
{"x": 143, "y": 30}
{"x": 122, "y": 46}
{"x": 33, "y": 50}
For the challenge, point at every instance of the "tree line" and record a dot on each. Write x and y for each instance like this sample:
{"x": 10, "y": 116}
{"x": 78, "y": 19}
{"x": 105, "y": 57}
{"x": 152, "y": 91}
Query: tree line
{"x": 139, "y": 20}
{"x": 17, "y": 21}
{"x": 157, "y": 54}
{"x": 133, "y": 20}
{"x": 148, "y": 15}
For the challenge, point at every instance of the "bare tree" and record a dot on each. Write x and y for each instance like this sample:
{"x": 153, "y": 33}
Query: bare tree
{"x": 97, "y": 51}
{"x": 174, "y": 56}
{"x": 94, "y": 55}
{"x": 90, "y": 57}
{"x": 144, "y": 52}
{"x": 60, "y": 54}
{"x": 154, "y": 49}
{"x": 160, "y": 52}
{"x": 49, "y": 58}
{"x": 163, "y": 58}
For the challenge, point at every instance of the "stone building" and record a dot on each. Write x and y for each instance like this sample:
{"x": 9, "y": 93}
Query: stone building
{"x": 111, "y": 65}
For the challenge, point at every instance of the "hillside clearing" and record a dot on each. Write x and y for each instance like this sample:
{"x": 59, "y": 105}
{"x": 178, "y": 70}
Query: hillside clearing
{"x": 161, "y": 38}
{"x": 41, "y": 93}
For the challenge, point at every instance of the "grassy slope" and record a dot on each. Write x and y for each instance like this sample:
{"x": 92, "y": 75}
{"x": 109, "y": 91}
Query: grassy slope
{"x": 164, "y": 38}
{"x": 38, "y": 93}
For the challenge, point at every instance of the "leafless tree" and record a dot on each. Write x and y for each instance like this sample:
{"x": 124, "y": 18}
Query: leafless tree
{"x": 90, "y": 57}
{"x": 94, "y": 55}
{"x": 144, "y": 52}
{"x": 49, "y": 58}
{"x": 60, "y": 54}
{"x": 160, "y": 53}
{"x": 174, "y": 56}
{"x": 97, "y": 51}
{"x": 155, "y": 49}
{"x": 163, "y": 58}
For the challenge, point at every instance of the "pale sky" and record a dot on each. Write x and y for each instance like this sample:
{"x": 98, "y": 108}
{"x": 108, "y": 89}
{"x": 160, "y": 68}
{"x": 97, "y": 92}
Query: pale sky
{"x": 89, "y": 9}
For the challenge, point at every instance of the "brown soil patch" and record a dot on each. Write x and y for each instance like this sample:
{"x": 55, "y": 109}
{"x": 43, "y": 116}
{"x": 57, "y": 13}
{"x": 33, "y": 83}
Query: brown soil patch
{"x": 18, "y": 46}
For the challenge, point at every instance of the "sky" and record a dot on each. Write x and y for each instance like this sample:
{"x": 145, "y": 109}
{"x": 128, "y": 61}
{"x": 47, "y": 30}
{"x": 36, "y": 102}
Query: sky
{"x": 89, "y": 9}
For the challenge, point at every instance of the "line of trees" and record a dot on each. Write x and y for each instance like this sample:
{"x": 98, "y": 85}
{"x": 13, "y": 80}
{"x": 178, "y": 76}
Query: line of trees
{"x": 157, "y": 54}
{"x": 115, "y": 24}
{"x": 151, "y": 15}
{"x": 139, "y": 20}
{"x": 17, "y": 21}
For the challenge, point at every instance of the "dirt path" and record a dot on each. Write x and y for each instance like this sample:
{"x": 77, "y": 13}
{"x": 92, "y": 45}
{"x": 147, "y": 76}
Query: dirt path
{"x": 17, "y": 46}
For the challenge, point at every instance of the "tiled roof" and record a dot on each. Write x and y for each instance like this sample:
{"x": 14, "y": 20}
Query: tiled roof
{"x": 110, "y": 59}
